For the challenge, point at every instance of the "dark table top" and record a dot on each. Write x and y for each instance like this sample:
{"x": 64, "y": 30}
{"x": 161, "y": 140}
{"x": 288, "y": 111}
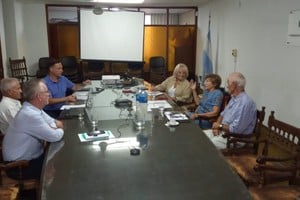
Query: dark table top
{"x": 174, "y": 163}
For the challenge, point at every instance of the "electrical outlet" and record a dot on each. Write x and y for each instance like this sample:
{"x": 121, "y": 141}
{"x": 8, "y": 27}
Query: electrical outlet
{"x": 234, "y": 52}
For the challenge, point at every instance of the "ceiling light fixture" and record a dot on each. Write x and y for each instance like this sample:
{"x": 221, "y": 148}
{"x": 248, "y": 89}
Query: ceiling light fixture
{"x": 119, "y": 1}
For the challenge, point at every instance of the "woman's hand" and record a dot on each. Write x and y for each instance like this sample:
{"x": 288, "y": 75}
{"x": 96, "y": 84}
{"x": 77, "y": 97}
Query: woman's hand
{"x": 192, "y": 84}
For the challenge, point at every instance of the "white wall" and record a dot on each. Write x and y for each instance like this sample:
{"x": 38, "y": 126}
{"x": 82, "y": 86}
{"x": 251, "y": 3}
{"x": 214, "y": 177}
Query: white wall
{"x": 25, "y": 32}
{"x": 2, "y": 37}
{"x": 35, "y": 37}
{"x": 258, "y": 30}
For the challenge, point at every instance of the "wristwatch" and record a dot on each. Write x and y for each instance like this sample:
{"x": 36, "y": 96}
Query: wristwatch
{"x": 220, "y": 126}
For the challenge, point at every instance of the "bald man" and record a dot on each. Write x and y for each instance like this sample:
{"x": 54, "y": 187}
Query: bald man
{"x": 10, "y": 103}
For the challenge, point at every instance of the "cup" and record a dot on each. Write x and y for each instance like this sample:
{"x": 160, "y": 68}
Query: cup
{"x": 172, "y": 122}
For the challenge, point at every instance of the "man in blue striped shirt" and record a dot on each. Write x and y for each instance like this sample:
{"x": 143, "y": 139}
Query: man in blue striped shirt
{"x": 239, "y": 116}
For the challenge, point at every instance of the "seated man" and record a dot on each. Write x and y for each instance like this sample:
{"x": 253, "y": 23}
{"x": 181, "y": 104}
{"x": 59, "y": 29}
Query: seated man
{"x": 10, "y": 103}
{"x": 58, "y": 86}
{"x": 239, "y": 116}
{"x": 31, "y": 126}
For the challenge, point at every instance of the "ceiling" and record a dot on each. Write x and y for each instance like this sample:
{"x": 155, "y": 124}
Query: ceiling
{"x": 147, "y": 3}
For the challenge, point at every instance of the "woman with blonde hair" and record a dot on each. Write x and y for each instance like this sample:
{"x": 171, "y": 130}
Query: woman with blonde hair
{"x": 177, "y": 87}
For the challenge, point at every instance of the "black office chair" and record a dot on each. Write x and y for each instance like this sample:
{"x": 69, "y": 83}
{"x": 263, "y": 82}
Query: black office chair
{"x": 93, "y": 69}
{"x": 136, "y": 69}
{"x": 158, "y": 69}
{"x": 71, "y": 68}
{"x": 44, "y": 63}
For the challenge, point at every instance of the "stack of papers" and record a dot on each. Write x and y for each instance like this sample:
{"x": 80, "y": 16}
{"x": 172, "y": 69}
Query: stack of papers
{"x": 178, "y": 116}
{"x": 82, "y": 95}
{"x": 84, "y": 137}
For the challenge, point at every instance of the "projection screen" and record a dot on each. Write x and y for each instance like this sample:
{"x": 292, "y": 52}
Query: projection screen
{"x": 113, "y": 36}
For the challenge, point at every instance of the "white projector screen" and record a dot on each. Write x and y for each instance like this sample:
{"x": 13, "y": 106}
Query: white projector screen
{"x": 112, "y": 36}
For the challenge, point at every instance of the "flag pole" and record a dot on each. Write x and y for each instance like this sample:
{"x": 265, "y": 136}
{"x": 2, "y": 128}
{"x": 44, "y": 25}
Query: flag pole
{"x": 207, "y": 65}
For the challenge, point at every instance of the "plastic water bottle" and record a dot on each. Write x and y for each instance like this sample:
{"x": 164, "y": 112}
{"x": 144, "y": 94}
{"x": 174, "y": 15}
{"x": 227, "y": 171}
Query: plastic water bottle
{"x": 141, "y": 108}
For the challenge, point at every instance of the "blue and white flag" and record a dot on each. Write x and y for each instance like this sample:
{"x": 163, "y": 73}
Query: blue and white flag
{"x": 207, "y": 65}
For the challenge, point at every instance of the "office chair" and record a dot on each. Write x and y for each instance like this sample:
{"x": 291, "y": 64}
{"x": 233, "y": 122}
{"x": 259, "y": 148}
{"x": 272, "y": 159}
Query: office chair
{"x": 158, "y": 69}
{"x": 136, "y": 69}
{"x": 71, "y": 68}
{"x": 14, "y": 186}
{"x": 268, "y": 167}
{"x": 93, "y": 69}
{"x": 44, "y": 63}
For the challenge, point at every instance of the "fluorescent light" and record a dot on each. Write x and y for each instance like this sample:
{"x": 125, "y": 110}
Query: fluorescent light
{"x": 119, "y": 1}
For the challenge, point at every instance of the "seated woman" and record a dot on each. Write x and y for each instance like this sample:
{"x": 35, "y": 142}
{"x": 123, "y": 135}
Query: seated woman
{"x": 177, "y": 87}
{"x": 210, "y": 104}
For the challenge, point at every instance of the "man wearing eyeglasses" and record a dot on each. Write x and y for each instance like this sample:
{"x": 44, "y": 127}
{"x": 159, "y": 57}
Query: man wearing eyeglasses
{"x": 31, "y": 127}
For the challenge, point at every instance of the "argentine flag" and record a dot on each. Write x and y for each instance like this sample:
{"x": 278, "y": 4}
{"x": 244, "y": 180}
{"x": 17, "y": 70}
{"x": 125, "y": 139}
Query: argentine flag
{"x": 207, "y": 66}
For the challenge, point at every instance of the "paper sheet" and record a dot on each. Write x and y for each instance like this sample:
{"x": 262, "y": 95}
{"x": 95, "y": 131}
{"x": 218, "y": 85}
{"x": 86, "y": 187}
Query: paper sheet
{"x": 178, "y": 116}
{"x": 158, "y": 104}
{"x": 81, "y": 95}
{"x": 67, "y": 107}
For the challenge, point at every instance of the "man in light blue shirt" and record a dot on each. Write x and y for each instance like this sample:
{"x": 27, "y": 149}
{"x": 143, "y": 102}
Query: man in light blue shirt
{"x": 239, "y": 116}
{"x": 25, "y": 136}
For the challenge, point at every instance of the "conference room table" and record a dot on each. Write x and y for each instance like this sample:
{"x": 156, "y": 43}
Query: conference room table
{"x": 172, "y": 163}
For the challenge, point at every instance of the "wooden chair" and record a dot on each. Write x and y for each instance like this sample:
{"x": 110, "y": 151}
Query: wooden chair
{"x": 8, "y": 184}
{"x": 265, "y": 168}
{"x": 18, "y": 69}
{"x": 9, "y": 193}
{"x": 275, "y": 192}
{"x": 250, "y": 140}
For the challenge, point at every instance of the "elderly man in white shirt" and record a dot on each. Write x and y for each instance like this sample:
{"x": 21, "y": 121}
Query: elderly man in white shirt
{"x": 25, "y": 136}
{"x": 10, "y": 103}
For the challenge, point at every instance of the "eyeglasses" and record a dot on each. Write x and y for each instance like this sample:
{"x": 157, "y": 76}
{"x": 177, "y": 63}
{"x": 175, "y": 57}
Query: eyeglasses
{"x": 44, "y": 91}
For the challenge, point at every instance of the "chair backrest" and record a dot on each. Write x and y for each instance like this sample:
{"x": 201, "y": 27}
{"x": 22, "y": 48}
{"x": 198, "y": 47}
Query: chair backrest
{"x": 157, "y": 62}
{"x": 69, "y": 62}
{"x": 233, "y": 138}
{"x": 226, "y": 99}
{"x": 93, "y": 69}
{"x": 95, "y": 65}
{"x": 283, "y": 135}
{"x": 260, "y": 117}
{"x": 44, "y": 64}
{"x": 136, "y": 69}
{"x": 19, "y": 69}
